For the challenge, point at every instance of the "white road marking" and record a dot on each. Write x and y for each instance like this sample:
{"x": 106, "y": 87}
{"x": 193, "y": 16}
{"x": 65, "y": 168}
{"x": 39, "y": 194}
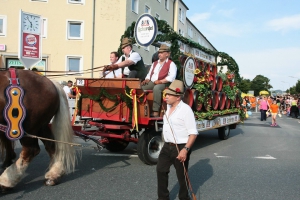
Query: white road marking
{"x": 221, "y": 156}
{"x": 267, "y": 157}
{"x": 109, "y": 154}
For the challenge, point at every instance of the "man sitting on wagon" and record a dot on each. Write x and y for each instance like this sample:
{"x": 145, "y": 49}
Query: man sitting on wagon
{"x": 130, "y": 59}
{"x": 162, "y": 72}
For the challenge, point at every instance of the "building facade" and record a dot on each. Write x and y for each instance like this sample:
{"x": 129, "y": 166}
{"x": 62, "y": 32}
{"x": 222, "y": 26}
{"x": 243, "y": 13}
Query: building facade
{"x": 78, "y": 35}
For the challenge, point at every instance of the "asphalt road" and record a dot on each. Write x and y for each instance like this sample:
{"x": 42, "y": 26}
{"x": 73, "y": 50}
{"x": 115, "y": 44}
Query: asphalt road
{"x": 256, "y": 162}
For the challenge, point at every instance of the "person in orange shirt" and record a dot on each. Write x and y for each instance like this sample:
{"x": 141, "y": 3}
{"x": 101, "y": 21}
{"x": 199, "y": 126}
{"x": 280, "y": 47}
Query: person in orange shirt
{"x": 274, "y": 109}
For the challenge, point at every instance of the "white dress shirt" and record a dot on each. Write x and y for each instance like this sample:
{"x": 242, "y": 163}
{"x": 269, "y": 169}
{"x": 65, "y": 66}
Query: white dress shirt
{"x": 182, "y": 121}
{"x": 171, "y": 75}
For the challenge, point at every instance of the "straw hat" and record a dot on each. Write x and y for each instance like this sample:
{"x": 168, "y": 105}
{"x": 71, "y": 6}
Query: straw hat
{"x": 125, "y": 42}
{"x": 163, "y": 48}
{"x": 176, "y": 88}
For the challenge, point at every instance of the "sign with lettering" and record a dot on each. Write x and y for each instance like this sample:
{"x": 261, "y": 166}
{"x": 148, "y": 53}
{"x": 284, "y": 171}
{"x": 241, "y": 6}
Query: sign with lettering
{"x": 145, "y": 30}
{"x": 40, "y": 66}
{"x": 189, "y": 72}
{"x": 30, "y": 43}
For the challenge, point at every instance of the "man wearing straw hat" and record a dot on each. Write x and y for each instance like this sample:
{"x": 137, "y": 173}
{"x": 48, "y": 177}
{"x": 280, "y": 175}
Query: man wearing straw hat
{"x": 180, "y": 133}
{"x": 130, "y": 59}
{"x": 162, "y": 71}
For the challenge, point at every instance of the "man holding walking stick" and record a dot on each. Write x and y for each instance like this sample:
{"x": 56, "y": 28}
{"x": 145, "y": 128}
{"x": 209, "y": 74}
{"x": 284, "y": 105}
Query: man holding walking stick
{"x": 180, "y": 133}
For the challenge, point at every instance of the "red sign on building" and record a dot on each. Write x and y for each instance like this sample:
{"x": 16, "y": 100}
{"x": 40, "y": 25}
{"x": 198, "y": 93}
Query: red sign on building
{"x": 31, "y": 45}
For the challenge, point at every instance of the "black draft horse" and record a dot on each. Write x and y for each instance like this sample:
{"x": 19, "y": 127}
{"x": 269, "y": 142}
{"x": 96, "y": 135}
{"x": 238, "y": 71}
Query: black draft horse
{"x": 43, "y": 100}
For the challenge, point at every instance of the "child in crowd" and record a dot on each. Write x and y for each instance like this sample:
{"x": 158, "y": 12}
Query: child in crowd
{"x": 274, "y": 109}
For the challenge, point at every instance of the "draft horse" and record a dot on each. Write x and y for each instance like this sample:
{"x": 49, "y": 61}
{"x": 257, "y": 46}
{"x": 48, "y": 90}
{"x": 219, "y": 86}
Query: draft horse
{"x": 43, "y": 100}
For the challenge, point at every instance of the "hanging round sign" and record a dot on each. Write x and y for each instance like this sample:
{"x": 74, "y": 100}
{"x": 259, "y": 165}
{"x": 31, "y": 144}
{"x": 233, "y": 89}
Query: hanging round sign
{"x": 189, "y": 68}
{"x": 145, "y": 30}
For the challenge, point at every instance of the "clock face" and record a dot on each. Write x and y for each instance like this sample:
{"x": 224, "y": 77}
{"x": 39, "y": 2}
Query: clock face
{"x": 31, "y": 23}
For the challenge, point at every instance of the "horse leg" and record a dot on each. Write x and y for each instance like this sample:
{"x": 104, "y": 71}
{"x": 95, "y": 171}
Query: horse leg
{"x": 10, "y": 154}
{"x": 55, "y": 168}
{"x": 13, "y": 174}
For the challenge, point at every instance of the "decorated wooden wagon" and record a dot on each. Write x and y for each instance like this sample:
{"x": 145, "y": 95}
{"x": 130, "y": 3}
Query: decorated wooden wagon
{"x": 120, "y": 109}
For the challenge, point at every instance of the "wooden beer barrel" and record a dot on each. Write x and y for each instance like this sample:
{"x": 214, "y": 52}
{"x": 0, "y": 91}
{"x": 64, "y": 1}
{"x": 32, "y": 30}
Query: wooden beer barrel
{"x": 188, "y": 97}
{"x": 207, "y": 103}
{"x": 212, "y": 68}
{"x": 201, "y": 65}
{"x": 222, "y": 100}
{"x": 227, "y": 102}
{"x": 215, "y": 100}
{"x": 196, "y": 104}
{"x": 237, "y": 101}
{"x": 212, "y": 83}
{"x": 219, "y": 83}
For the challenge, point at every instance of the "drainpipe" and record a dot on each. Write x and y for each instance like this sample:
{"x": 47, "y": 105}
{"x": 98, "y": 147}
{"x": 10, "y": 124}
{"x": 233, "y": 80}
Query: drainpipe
{"x": 93, "y": 40}
{"x": 174, "y": 15}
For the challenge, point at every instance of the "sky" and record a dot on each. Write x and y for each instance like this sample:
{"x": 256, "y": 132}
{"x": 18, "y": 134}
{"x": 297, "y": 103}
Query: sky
{"x": 263, "y": 36}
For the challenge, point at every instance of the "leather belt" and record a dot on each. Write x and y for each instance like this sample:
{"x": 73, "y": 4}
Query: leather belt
{"x": 172, "y": 144}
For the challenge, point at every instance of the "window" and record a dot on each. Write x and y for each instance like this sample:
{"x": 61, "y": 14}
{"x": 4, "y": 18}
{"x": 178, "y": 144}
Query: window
{"x": 147, "y": 9}
{"x": 167, "y": 4}
{"x": 74, "y": 63}
{"x": 2, "y": 25}
{"x": 157, "y": 16}
{"x": 135, "y": 6}
{"x": 76, "y": 1}
{"x": 44, "y": 28}
{"x": 190, "y": 32}
{"x": 75, "y": 30}
{"x": 181, "y": 15}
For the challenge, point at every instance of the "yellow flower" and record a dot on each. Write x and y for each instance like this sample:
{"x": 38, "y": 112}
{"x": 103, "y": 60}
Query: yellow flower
{"x": 197, "y": 71}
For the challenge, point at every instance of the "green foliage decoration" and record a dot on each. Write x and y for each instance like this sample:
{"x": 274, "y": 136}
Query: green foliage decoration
{"x": 168, "y": 34}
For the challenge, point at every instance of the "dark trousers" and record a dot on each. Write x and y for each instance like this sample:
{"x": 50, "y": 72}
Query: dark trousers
{"x": 167, "y": 157}
{"x": 263, "y": 115}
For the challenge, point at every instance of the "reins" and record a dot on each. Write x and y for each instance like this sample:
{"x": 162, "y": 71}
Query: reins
{"x": 187, "y": 179}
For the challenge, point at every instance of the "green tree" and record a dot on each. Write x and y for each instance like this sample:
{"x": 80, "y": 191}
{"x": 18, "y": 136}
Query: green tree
{"x": 245, "y": 85}
{"x": 297, "y": 87}
{"x": 260, "y": 83}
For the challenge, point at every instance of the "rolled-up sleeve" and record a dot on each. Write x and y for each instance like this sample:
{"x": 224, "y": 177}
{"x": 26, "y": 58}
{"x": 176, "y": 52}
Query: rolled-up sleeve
{"x": 190, "y": 122}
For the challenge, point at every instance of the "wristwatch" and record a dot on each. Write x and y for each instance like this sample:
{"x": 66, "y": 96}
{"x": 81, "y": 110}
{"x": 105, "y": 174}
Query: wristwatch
{"x": 186, "y": 148}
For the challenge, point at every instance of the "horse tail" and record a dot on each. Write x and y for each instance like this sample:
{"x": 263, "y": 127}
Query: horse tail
{"x": 62, "y": 131}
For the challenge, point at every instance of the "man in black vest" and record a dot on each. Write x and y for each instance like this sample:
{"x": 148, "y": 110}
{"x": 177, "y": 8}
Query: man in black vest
{"x": 162, "y": 72}
{"x": 130, "y": 59}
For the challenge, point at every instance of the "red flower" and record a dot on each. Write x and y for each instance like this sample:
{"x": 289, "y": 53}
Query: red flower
{"x": 195, "y": 79}
{"x": 177, "y": 90}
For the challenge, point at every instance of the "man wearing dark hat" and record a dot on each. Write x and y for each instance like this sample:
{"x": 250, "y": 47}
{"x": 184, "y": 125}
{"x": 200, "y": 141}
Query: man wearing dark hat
{"x": 180, "y": 130}
{"x": 130, "y": 59}
{"x": 162, "y": 71}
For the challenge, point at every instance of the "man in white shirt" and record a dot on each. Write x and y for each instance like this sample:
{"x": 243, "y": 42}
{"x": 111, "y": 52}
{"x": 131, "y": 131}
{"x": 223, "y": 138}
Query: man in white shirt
{"x": 130, "y": 59}
{"x": 114, "y": 73}
{"x": 180, "y": 130}
{"x": 68, "y": 91}
{"x": 162, "y": 72}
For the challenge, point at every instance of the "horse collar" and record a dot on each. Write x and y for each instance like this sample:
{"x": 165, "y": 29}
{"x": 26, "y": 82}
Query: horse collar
{"x": 14, "y": 111}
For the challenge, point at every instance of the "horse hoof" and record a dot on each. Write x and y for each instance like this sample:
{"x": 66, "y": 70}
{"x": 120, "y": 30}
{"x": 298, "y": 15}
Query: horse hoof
{"x": 50, "y": 182}
{"x": 5, "y": 189}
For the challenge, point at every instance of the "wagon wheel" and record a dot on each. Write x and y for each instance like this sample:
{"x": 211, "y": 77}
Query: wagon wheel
{"x": 224, "y": 132}
{"x": 116, "y": 145}
{"x": 149, "y": 145}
